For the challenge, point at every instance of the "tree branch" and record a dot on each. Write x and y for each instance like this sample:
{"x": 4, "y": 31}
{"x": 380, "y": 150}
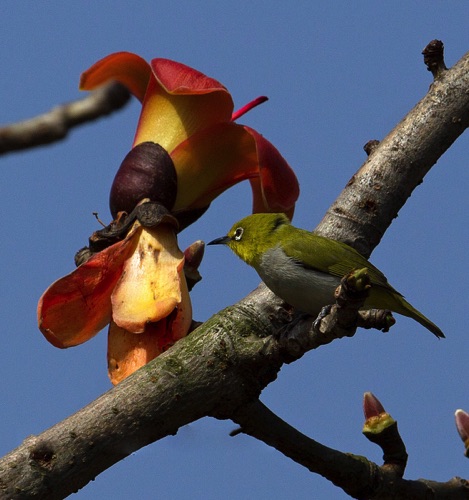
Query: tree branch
{"x": 214, "y": 370}
{"x": 375, "y": 194}
{"x": 56, "y": 124}
{"x": 223, "y": 366}
{"x": 357, "y": 476}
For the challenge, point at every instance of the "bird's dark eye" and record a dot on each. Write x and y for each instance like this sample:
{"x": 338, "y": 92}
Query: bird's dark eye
{"x": 238, "y": 233}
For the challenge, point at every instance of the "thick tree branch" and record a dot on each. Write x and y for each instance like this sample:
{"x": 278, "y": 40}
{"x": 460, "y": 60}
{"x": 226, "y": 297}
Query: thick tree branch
{"x": 214, "y": 370}
{"x": 375, "y": 194}
{"x": 224, "y": 365}
{"x": 56, "y": 124}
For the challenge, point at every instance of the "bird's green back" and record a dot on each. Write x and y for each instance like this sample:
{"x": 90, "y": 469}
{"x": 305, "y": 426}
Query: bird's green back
{"x": 330, "y": 256}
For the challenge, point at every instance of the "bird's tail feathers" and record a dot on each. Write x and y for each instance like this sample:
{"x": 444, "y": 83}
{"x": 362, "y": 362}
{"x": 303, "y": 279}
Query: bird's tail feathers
{"x": 396, "y": 302}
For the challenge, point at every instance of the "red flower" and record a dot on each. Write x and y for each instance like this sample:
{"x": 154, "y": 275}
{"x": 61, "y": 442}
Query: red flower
{"x": 137, "y": 286}
{"x": 191, "y": 116}
{"x": 187, "y": 150}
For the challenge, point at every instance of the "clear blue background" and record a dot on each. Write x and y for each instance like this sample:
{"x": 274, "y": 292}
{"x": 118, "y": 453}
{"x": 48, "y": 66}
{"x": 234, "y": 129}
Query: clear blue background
{"x": 338, "y": 74}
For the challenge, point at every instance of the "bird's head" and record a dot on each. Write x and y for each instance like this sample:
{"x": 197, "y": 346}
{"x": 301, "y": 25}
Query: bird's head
{"x": 252, "y": 236}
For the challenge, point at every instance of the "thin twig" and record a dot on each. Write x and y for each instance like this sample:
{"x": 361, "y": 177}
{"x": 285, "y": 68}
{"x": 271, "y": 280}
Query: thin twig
{"x": 57, "y": 123}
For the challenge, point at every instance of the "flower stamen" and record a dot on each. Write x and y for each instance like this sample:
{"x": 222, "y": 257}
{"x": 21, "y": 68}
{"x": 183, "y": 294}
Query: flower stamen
{"x": 250, "y": 105}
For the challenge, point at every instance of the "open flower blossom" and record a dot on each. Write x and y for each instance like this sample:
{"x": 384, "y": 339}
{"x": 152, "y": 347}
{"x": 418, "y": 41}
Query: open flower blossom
{"x": 191, "y": 116}
{"x": 187, "y": 150}
{"x": 137, "y": 286}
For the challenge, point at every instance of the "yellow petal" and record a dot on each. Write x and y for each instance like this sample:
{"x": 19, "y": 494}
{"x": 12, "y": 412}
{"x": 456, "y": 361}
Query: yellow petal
{"x": 211, "y": 161}
{"x": 127, "y": 352}
{"x": 150, "y": 287}
{"x": 170, "y": 117}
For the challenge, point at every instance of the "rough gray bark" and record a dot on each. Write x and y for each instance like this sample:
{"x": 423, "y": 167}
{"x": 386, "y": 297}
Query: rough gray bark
{"x": 221, "y": 368}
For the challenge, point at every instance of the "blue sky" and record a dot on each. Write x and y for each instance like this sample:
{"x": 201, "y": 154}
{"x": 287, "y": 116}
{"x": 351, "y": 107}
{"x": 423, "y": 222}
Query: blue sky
{"x": 337, "y": 74}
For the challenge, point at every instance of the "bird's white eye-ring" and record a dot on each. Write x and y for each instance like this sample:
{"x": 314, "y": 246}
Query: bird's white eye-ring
{"x": 238, "y": 233}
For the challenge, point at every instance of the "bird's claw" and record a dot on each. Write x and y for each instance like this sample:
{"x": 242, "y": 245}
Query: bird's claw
{"x": 325, "y": 311}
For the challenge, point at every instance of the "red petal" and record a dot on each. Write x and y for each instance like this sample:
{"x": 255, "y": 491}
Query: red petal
{"x": 212, "y": 161}
{"x": 277, "y": 188}
{"x": 127, "y": 68}
{"x": 177, "y": 78}
{"x": 77, "y": 306}
{"x": 219, "y": 157}
{"x": 127, "y": 352}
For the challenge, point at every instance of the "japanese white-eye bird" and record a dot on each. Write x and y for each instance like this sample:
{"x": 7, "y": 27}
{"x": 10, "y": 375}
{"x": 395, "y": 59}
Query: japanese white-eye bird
{"x": 304, "y": 269}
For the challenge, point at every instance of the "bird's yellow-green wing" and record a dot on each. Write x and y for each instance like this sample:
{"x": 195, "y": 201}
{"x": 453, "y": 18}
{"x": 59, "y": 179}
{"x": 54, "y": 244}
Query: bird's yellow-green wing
{"x": 328, "y": 256}
{"x": 338, "y": 259}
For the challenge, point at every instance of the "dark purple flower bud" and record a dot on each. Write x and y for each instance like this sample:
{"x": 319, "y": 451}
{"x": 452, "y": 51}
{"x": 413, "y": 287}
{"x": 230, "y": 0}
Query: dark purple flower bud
{"x": 146, "y": 172}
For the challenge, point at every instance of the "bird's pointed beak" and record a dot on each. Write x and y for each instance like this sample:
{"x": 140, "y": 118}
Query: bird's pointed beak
{"x": 223, "y": 240}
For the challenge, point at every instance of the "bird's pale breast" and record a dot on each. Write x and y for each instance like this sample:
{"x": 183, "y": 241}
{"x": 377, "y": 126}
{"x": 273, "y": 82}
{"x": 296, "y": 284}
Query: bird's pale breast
{"x": 303, "y": 288}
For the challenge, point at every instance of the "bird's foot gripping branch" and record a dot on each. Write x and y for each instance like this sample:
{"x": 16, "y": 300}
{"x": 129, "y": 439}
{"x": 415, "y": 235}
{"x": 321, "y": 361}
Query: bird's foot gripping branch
{"x": 347, "y": 313}
{"x": 302, "y": 332}
{"x": 187, "y": 150}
